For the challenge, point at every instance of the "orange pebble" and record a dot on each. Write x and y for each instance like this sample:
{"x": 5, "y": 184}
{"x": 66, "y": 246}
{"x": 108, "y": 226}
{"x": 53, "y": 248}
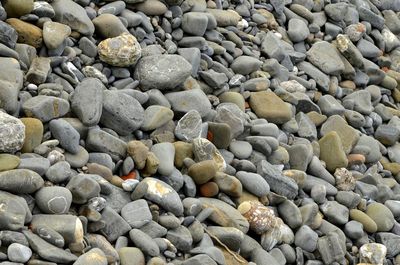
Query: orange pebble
{"x": 210, "y": 136}
{"x": 131, "y": 175}
{"x": 356, "y": 159}
{"x": 209, "y": 189}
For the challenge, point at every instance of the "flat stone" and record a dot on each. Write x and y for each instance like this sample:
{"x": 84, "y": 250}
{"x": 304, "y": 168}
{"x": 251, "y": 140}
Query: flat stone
{"x": 38, "y": 70}
{"x": 162, "y": 72}
{"x": 45, "y": 108}
{"x": 136, "y": 213}
{"x": 156, "y": 116}
{"x": 121, "y": 112}
{"x": 16, "y": 214}
{"x": 225, "y": 215}
{"x": 20, "y": 181}
{"x": 277, "y": 110}
{"x": 54, "y": 34}
{"x": 94, "y": 256}
{"x": 381, "y": 215}
{"x": 332, "y": 151}
{"x": 325, "y": 56}
{"x": 184, "y": 101}
{"x": 27, "y": 33}
{"x": 189, "y": 126}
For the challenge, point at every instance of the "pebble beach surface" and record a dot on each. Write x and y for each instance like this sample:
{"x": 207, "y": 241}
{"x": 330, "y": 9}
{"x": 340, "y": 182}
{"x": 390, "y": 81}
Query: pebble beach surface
{"x": 200, "y": 132}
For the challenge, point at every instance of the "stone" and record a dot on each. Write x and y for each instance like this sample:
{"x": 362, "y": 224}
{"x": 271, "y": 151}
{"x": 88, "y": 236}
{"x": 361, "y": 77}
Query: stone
{"x": 381, "y": 215}
{"x": 330, "y": 106}
{"x": 83, "y": 187}
{"x": 195, "y": 23}
{"x": 47, "y": 250}
{"x": 11, "y": 81}
{"x": 152, "y": 7}
{"x": 87, "y": 101}
{"x": 330, "y": 249}
{"x": 180, "y": 237}
{"x": 332, "y": 152}
{"x": 373, "y": 253}
{"x": 18, "y": 8}
{"x": 254, "y": 183}
{"x": 12, "y": 135}
{"x": 225, "y": 17}
{"x": 72, "y": 14}
{"x": 65, "y": 134}
{"x": 245, "y": 65}
{"x": 27, "y": 33}
{"x": 354, "y": 230}
{"x": 79, "y": 159}
{"x": 115, "y": 225}
{"x": 297, "y": 30}
{"x": 94, "y": 256}
{"x": 138, "y": 151}
{"x": 123, "y": 50}
{"x": 325, "y": 56}
{"x": 136, "y": 213}
{"x": 8, "y": 162}
{"x": 33, "y": 134}
{"x": 8, "y": 35}
{"x": 45, "y": 108}
{"x": 203, "y": 171}
{"x": 189, "y": 126}
{"x": 39, "y": 70}
{"x": 335, "y": 212}
{"x": 184, "y": 101}
{"x": 225, "y": 215}
{"x": 121, "y": 112}
{"x": 368, "y": 223}
{"x": 306, "y": 238}
{"x": 54, "y": 200}
{"x": 54, "y": 34}
{"x": 278, "y": 183}
{"x": 18, "y": 253}
{"x": 348, "y": 135}
{"x": 165, "y": 152}
{"x": 290, "y": 214}
{"x": 129, "y": 254}
{"x": 16, "y": 214}
{"x": 390, "y": 241}
{"x": 144, "y": 242}
{"x": 20, "y": 181}
{"x": 277, "y": 112}
{"x": 109, "y": 26}
{"x": 155, "y": 117}
{"x": 162, "y": 72}
{"x": 163, "y": 194}
{"x": 203, "y": 149}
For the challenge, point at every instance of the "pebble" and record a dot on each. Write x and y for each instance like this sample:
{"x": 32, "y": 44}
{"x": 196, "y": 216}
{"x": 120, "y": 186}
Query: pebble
{"x": 121, "y": 51}
{"x": 18, "y": 253}
{"x": 13, "y": 133}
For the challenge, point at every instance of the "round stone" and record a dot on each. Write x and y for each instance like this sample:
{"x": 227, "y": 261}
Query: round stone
{"x": 18, "y": 253}
{"x": 121, "y": 51}
{"x": 8, "y": 162}
{"x": 12, "y": 133}
{"x": 381, "y": 215}
{"x": 54, "y": 200}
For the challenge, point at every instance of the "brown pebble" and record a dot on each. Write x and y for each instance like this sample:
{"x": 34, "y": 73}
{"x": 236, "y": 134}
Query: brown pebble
{"x": 209, "y": 189}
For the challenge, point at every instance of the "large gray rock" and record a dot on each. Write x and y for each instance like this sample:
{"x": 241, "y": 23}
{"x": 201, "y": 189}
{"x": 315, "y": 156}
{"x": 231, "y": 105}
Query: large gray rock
{"x": 11, "y": 81}
{"x": 45, "y": 108}
{"x": 184, "y": 101}
{"x": 87, "y": 101}
{"x": 20, "y": 181}
{"x": 325, "y": 56}
{"x": 121, "y": 112}
{"x": 162, "y": 71}
{"x": 72, "y": 14}
{"x": 15, "y": 214}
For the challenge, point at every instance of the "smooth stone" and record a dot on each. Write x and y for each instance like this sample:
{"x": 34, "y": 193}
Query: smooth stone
{"x": 20, "y": 181}
{"x": 184, "y": 101}
{"x": 278, "y": 182}
{"x": 72, "y": 14}
{"x": 297, "y": 30}
{"x": 115, "y": 225}
{"x": 121, "y": 112}
{"x": 109, "y": 26}
{"x": 33, "y": 134}
{"x": 241, "y": 149}
{"x": 348, "y": 135}
{"x": 203, "y": 171}
{"x": 354, "y": 229}
{"x": 224, "y": 214}
{"x": 48, "y": 251}
{"x": 368, "y": 224}
{"x": 195, "y": 23}
{"x": 95, "y": 256}
{"x": 306, "y": 238}
{"x": 245, "y": 65}
{"x": 165, "y": 152}
{"x": 325, "y": 56}
{"x": 156, "y": 116}
{"x": 203, "y": 149}
{"x": 13, "y": 134}
{"x": 8, "y": 35}
{"x": 390, "y": 241}
{"x": 18, "y": 8}
{"x": 59, "y": 172}
{"x": 144, "y": 242}
{"x": 180, "y": 237}
{"x": 152, "y": 7}
{"x": 332, "y": 151}
{"x": 12, "y": 81}
{"x": 18, "y": 253}
{"x": 225, "y": 18}
{"x": 162, "y": 72}
{"x": 16, "y": 214}
{"x": 78, "y": 159}
{"x": 254, "y": 183}
{"x": 381, "y": 215}
{"x": 278, "y": 112}
{"x": 335, "y": 212}
{"x": 164, "y": 195}
{"x": 83, "y": 187}
{"x": 45, "y": 108}
{"x": 330, "y": 248}
{"x": 8, "y": 162}
{"x": 290, "y": 214}
{"x": 330, "y": 106}
{"x": 27, "y": 33}
{"x": 131, "y": 255}
{"x": 65, "y": 134}
{"x": 53, "y": 200}
{"x": 54, "y": 34}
